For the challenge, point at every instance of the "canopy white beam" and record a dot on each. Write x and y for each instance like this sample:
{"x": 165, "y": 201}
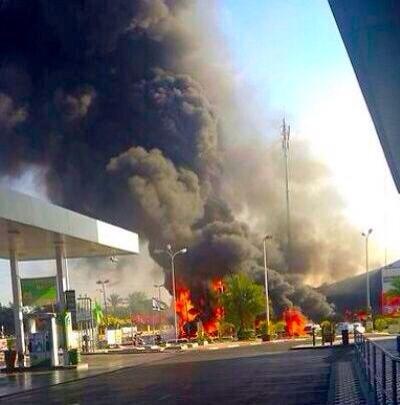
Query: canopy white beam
{"x": 37, "y": 225}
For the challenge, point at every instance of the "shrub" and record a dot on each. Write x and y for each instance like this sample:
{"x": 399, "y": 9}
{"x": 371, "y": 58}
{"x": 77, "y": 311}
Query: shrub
{"x": 279, "y": 327}
{"x": 325, "y": 324}
{"x": 226, "y": 329}
{"x": 246, "y": 334}
{"x": 380, "y": 324}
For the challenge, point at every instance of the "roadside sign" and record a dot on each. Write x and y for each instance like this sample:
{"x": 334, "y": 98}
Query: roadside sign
{"x": 39, "y": 291}
{"x": 70, "y": 300}
{"x": 391, "y": 292}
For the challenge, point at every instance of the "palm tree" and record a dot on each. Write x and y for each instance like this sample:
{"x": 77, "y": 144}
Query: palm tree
{"x": 115, "y": 300}
{"x": 138, "y": 302}
{"x": 243, "y": 300}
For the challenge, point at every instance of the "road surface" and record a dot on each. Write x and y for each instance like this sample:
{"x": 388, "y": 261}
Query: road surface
{"x": 267, "y": 374}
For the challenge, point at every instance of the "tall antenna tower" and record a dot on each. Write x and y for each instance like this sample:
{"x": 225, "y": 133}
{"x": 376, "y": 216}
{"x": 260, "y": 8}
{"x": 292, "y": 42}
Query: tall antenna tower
{"x": 285, "y": 147}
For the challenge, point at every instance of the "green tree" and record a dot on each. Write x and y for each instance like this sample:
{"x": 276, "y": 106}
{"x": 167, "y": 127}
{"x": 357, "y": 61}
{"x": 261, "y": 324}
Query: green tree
{"x": 138, "y": 302}
{"x": 395, "y": 291}
{"x": 7, "y": 319}
{"x": 115, "y": 300}
{"x": 243, "y": 300}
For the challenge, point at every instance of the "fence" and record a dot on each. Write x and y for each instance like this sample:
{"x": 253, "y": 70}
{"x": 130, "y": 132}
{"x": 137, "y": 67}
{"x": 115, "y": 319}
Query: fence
{"x": 380, "y": 369}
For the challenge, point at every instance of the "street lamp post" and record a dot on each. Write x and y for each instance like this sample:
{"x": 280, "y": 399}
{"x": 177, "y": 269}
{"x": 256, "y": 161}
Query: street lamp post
{"x": 366, "y": 236}
{"x": 266, "y": 238}
{"x": 103, "y": 284}
{"x": 172, "y": 255}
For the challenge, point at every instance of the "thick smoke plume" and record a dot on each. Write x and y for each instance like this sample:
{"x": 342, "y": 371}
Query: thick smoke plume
{"x": 133, "y": 119}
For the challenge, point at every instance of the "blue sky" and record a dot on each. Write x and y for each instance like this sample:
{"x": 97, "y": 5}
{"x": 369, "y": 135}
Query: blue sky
{"x": 288, "y": 47}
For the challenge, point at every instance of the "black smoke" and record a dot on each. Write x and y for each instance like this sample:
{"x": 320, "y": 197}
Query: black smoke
{"x": 102, "y": 94}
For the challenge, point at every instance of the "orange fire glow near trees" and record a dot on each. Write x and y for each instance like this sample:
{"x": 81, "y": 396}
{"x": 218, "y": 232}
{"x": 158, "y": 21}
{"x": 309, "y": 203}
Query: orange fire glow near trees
{"x": 295, "y": 322}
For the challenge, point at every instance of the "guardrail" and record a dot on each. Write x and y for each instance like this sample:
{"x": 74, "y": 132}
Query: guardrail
{"x": 380, "y": 368}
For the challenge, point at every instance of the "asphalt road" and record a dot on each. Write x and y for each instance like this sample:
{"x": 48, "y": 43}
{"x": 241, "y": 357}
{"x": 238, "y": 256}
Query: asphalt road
{"x": 267, "y": 374}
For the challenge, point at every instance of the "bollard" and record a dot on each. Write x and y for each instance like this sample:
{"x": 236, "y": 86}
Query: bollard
{"x": 398, "y": 343}
{"x": 313, "y": 335}
{"x": 345, "y": 337}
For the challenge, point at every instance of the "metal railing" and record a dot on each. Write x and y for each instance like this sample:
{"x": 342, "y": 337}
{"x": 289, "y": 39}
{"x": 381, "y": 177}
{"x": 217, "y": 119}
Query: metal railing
{"x": 380, "y": 369}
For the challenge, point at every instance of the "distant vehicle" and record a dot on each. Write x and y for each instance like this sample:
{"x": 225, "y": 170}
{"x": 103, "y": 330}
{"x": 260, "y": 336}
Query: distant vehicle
{"x": 342, "y": 326}
{"x": 351, "y": 327}
{"x": 357, "y": 326}
{"x": 310, "y": 326}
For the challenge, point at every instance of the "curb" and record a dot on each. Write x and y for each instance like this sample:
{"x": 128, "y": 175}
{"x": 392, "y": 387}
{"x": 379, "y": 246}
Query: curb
{"x": 320, "y": 347}
{"x": 78, "y": 367}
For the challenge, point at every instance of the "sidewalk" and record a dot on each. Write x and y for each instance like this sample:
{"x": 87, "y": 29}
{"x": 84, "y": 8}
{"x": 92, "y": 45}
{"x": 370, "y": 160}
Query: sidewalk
{"x": 98, "y": 364}
{"x": 346, "y": 387}
{"x": 338, "y": 342}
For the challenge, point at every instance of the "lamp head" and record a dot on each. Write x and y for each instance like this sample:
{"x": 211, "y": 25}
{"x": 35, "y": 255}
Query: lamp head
{"x": 169, "y": 247}
{"x": 183, "y": 251}
{"x": 366, "y": 234}
{"x": 114, "y": 259}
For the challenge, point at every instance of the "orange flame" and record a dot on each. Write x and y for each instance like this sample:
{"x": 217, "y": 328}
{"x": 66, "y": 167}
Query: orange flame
{"x": 211, "y": 325}
{"x": 295, "y": 322}
{"x": 185, "y": 310}
{"x": 217, "y": 285}
{"x": 188, "y": 313}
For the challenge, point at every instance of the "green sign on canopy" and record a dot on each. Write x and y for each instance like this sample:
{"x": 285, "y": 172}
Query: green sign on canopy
{"x": 40, "y": 291}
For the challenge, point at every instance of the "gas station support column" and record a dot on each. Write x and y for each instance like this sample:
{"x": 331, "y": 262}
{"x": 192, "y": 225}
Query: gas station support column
{"x": 60, "y": 263}
{"x": 17, "y": 299}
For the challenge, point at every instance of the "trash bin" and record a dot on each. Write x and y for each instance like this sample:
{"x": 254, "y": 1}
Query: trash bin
{"x": 345, "y": 337}
{"x": 74, "y": 356}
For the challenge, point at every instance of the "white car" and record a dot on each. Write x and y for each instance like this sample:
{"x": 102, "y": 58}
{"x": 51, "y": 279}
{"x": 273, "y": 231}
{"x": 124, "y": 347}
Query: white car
{"x": 351, "y": 327}
{"x": 341, "y": 326}
{"x": 357, "y": 326}
{"x": 312, "y": 326}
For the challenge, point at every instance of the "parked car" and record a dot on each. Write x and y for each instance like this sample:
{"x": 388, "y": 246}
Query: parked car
{"x": 357, "y": 326}
{"x": 341, "y": 326}
{"x": 310, "y": 326}
{"x": 351, "y": 327}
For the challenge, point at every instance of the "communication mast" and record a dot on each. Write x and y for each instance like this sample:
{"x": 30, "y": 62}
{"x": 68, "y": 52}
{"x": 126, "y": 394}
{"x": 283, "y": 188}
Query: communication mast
{"x": 285, "y": 147}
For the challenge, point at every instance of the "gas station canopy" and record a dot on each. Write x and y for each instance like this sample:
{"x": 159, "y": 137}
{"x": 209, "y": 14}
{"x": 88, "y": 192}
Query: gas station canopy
{"x": 370, "y": 30}
{"x": 38, "y": 225}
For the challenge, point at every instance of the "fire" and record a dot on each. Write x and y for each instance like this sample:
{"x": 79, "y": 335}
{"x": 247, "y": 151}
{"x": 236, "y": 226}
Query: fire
{"x": 211, "y": 326}
{"x": 295, "y": 322}
{"x": 217, "y": 285}
{"x": 207, "y": 310}
{"x": 186, "y": 312}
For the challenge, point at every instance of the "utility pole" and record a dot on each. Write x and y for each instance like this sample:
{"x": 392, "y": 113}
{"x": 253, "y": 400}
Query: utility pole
{"x": 169, "y": 251}
{"x": 266, "y": 238}
{"x": 366, "y": 236}
{"x": 285, "y": 147}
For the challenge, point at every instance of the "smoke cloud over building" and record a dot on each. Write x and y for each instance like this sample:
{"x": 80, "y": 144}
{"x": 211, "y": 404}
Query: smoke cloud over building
{"x": 123, "y": 106}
